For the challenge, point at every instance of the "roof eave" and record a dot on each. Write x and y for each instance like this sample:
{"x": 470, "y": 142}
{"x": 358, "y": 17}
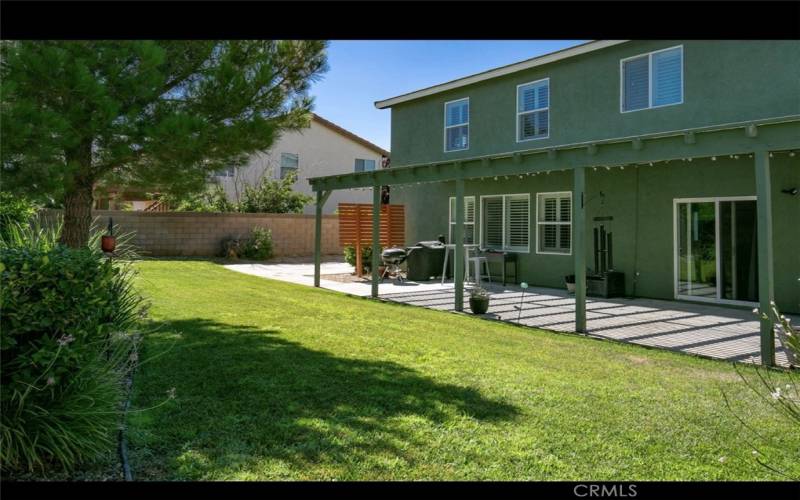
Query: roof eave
{"x": 501, "y": 71}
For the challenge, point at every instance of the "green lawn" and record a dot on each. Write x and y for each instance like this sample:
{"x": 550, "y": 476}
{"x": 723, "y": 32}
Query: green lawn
{"x": 280, "y": 381}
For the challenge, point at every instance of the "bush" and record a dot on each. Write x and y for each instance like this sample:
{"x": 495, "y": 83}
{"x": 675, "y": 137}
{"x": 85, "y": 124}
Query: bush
{"x": 257, "y": 247}
{"x": 14, "y": 210}
{"x": 213, "y": 199}
{"x": 65, "y": 322}
{"x": 366, "y": 256}
{"x": 273, "y": 196}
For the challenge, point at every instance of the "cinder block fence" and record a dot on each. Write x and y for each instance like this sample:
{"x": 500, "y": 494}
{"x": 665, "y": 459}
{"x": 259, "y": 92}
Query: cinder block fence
{"x": 201, "y": 234}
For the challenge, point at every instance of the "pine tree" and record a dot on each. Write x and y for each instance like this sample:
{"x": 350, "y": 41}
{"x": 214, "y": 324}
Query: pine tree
{"x": 143, "y": 113}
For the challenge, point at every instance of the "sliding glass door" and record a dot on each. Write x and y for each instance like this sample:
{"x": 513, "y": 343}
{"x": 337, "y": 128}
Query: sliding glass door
{"x": 715, "y": 249}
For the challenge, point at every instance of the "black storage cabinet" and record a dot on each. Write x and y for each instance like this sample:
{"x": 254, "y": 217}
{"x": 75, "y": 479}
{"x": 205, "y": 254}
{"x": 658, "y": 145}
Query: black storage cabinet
{"x": 425, "y": 260}
{"x": 607, "y": 285}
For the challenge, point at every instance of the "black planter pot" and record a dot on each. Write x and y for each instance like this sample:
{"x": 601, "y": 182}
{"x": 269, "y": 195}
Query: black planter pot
{"x": 479, "y": 305}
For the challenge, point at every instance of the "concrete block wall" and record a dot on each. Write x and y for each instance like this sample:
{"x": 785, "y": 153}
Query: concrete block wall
{"x": 201, "y": 234}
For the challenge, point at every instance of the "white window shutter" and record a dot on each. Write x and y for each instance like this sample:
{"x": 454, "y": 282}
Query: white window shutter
{"x": 517, "y": 222}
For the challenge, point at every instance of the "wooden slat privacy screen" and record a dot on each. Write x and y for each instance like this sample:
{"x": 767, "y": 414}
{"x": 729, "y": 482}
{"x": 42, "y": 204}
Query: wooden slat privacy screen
{"x": 355, "y": 227}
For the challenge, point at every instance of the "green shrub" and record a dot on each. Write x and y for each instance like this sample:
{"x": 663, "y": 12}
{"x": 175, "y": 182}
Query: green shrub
{"x": 259, "y": 245}
{"x": 366, "y": 256}
{"x": 65, "y": 322}
{"x": 273, "y": 196}
{"x": 14, "y": 210}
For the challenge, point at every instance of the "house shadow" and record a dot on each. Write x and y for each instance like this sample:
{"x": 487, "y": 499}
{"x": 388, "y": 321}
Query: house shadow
{"x": 246, "y": 395}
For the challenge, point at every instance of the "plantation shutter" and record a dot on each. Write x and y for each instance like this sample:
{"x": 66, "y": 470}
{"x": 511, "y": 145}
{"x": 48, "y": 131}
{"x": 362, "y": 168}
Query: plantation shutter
{"x": 635, "y": 83}
{"x": 493, "y": 222}
{"x": 517, "y": 222}
{"x": 667, "y": 69}
{"x": 456, "y": 125}
{"x": 565, "y": 231}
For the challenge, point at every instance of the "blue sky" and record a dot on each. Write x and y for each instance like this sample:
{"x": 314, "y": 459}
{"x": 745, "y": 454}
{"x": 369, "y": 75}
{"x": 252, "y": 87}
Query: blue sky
{"x": 362, "y": 72}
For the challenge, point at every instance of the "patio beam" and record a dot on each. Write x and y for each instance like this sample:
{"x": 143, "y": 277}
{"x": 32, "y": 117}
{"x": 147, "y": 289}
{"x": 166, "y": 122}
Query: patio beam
{"x": 458, "y": 255}
{"x": 766, "y": 292}
{"x": 376, "y": 237}
{"x": 579, "y": 247}
{"x": 774, "y": 137}
{"x": 322, "y": 197}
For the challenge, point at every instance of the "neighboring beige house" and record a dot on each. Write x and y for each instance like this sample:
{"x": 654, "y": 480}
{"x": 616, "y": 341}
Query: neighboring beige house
{"x": 322, "y": 149}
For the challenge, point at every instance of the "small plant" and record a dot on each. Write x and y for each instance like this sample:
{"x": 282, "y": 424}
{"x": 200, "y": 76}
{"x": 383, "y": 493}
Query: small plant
{"x": 366, "y": 256}
{"x": 259, "y": 245}
{"x": 479, "y": 300}
{"x": 783, "y": 398}
{"x": 14, "y": 210}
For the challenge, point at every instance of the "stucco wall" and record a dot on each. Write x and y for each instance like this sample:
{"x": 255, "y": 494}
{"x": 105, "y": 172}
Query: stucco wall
{"x": 321, "y": 151}
{"x": 201, "y": 234}
{"x": 641, "y": 202}
{"x": 724, "y": 81}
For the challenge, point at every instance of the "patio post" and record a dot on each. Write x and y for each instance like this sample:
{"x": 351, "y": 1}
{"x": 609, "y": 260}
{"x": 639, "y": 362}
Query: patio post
{"x": 458, "y": 255}
{"x": 376, "y": 237}
{"x": 579, "y": 247}
{"x": 322, "y": 197}
{"x": 766, "y": 292}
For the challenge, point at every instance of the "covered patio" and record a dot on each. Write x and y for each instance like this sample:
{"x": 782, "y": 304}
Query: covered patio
{"x": 705, "y": 330}
{"x": 756, "y": 139}
{"x": 731, "y": 334}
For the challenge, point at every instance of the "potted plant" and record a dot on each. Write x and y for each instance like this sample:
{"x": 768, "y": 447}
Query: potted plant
{"x": 108, "y": 242}
{"x": 479, "y": 300}
{"x": 570, "y": 281}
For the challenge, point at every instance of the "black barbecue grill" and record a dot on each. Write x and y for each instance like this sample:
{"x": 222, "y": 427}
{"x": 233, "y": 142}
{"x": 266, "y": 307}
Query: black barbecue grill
{"x": 392, "y": 258}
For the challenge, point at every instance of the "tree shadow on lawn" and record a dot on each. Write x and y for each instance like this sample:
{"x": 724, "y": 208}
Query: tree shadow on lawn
{"x": 246, "y": 395}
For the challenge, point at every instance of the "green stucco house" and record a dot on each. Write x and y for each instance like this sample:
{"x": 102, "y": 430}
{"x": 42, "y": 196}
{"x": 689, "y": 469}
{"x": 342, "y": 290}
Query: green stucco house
{"x": 675, "y": 163}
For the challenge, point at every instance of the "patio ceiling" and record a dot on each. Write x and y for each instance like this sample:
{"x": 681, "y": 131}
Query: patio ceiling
{"x": 773, "y": 134}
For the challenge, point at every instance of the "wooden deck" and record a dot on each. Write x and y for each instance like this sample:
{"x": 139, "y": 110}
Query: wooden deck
{"x": 705, "y": 330}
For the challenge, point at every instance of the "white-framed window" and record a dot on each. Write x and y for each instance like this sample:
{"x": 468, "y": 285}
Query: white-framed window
{"x": 554, "y": 223}
{"x": 289, "y": 164}
{"x": 226, "y": 172}
{"x": 364, "y": 165}
{"x": 469, "y": 220}
{"x": 456, "y": 125}
{"x": 505, "y": 222}
{"x": 651, "y": 80}
{"x": 533, "y": 110}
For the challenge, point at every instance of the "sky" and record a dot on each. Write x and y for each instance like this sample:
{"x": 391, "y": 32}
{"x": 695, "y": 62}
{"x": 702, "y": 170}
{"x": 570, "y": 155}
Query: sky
{"x": 362, "y": 72}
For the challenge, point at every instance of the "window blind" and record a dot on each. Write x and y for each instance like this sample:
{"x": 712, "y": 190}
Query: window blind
{"x": 667, "y": 87}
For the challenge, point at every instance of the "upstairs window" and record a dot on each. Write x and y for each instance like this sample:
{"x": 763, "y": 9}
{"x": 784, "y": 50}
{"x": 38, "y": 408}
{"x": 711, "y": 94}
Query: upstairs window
{"x": 364, "y": 165}
{"x": 289, "y": 164}
{"x": 456, "y": 125}
{"x": 226, "y": 172}
{"x": 533, "y": 110}
{"x": 469, "y": 220}
{"x": 652, "y": 80}
{"x": 554, "y": 223}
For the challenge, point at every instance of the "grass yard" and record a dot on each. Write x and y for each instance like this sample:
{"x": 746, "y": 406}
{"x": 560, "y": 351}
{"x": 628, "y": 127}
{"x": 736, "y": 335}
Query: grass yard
{"x": 281, "y": 381}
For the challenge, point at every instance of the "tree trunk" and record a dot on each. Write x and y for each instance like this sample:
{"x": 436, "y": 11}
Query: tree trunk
{"x": 77, "y": 214}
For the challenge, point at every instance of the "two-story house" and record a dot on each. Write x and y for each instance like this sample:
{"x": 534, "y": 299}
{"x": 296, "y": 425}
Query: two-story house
{"x": 323, "y": 148}
{"x": 676, "y": 163}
